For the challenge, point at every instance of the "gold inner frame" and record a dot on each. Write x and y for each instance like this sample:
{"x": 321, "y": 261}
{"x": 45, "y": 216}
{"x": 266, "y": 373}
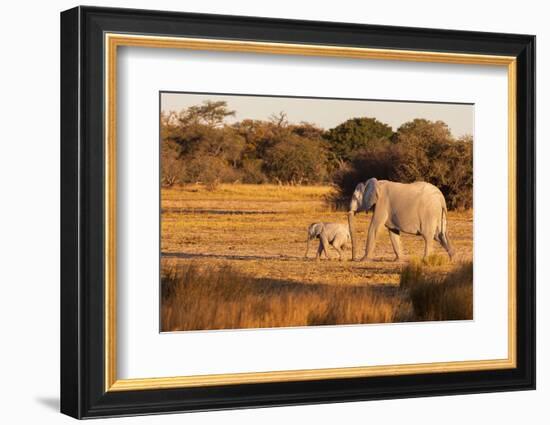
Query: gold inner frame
{"x": 113, "y": 41}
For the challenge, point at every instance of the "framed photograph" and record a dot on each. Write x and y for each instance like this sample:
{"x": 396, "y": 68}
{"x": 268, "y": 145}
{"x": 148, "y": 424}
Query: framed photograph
{"x": 261, "y": 212}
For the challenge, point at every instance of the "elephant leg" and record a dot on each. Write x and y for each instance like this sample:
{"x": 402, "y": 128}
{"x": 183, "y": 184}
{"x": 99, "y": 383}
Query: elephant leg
{"x": 371, "y": 240}
{"x": 319, "y": 251}
{"x": 396, "y": 244}
{"x": 338, "y": 243}
{"x": 339, "y": 251}
{"x": 427, "y": 246}
{"x": 325, "y": 244}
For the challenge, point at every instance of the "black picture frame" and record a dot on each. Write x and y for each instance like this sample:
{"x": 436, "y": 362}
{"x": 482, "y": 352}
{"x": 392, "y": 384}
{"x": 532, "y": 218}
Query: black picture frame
{"x": 83, "y": 392}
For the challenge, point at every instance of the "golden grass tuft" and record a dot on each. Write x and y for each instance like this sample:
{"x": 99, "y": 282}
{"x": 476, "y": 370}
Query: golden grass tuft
{"x": 435, "y": 260}
{"x": 435, "y": 297}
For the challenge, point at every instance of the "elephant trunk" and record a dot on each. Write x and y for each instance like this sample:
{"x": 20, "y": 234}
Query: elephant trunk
{"x": 353, "y": 235}
{"x": 307, "y": 246}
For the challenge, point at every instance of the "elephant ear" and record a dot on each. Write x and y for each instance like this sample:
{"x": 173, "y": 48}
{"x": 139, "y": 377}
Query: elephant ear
{"x": 359, "y": 189}
{"x": 370, "y": 195}
{"x": 314, "y": 230}
{"x": 318, "y": 228}
{"x": 356, "y": 200}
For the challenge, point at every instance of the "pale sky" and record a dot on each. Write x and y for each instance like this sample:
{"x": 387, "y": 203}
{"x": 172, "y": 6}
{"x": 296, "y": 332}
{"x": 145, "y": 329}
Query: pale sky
{"x": 328, "y": 113}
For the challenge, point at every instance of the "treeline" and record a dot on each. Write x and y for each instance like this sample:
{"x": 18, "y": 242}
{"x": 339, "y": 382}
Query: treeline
{"x": 198, "y": 145}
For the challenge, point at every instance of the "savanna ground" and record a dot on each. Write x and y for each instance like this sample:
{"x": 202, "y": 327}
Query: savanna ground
{"x": 233, "y": 257}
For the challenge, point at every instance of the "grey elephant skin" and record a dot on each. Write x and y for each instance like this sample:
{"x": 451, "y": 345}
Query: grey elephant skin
{"x": 335, "y": 234}
{"x": 416, "y": 208}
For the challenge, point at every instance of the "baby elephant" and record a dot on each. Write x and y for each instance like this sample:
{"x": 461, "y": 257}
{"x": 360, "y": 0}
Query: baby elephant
{"x": 335, "y": 234}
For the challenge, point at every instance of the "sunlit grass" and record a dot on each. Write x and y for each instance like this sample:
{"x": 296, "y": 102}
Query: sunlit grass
{"x": 196, "y": 297}
{"x": 432, "y": 260}
{"x": 199, "y": 298}
{"x": 436, "y": 297}
{"x": 256, "y": 192}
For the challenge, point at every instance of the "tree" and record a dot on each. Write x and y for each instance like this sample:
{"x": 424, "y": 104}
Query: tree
{"x": 210, "y": 114}
{"x": 210, "y": 171}
{"x": 422, "y": 131}
{"x": 296, "y": 160}
{"x": 420, "y": 142}
{"x": 254, "y": 133}
{"x": 201, "y": 134}
{"x": 452, "y": 172}
{"x": 308, "y": 130}
{"x": 172, "y": 169}
{"x": 354, "y": 135}
{"x": 430, "y": 153}
{"x": 200, "y": 129}
{"x": 260, "y": 135}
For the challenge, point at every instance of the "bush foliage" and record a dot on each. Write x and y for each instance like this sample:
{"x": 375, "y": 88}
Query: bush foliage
{"x": 200, "y": 146}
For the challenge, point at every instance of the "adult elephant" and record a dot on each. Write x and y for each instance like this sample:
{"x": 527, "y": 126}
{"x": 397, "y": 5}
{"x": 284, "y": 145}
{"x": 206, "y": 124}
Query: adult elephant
{"x": 416, "y": 208}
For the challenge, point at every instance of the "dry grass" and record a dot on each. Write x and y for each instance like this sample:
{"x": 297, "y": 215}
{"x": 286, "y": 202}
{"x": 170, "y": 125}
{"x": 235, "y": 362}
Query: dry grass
{"x": 259, "y": 231}
{"x": 205, "y": 298}
{"x": 436, "y": 297}
{"x": 197, "y": 298}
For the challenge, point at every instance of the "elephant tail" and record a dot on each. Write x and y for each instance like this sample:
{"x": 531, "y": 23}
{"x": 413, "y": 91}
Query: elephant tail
{"x": 443, "y": 236}
{"x": 444, "y": 221}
